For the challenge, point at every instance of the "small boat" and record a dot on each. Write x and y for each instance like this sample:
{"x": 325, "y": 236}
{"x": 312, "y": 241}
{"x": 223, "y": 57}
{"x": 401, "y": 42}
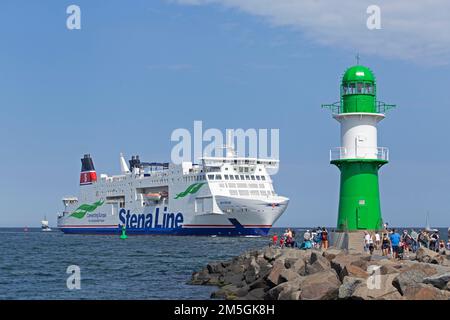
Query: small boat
{"x": 428, "y": 228}
{"x": 44, "y": 225}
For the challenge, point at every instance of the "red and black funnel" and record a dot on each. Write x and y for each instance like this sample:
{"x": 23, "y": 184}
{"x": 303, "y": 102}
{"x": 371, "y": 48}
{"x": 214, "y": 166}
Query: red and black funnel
{"x": 88, "y": 174}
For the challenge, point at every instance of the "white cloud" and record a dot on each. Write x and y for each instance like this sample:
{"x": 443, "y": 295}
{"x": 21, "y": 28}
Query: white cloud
{"x": 411, "y": 30}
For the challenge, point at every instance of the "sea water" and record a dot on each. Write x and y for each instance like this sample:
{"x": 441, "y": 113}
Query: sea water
{"x": 33, "y": 264}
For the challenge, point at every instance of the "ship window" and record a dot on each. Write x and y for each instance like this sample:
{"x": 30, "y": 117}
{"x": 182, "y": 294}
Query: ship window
{"x": 261, "y": 186}
{"x": 258, "y": 178}
{"x": 247, "y": 177}
{"x": 263, "y": 178}
{"x": 242, "y": 177}
{"x": 226, "y": 177}
{"x": 263, "y": 192}
{"x": 232, "y": 185}
{"x": 243, "y": 192}
{"x": 210, "y": 176}
{"x": 231, "y": 177}
{"x": 254, "y": 192}
{"x": 253, "y": 177}
{"x": 233, "y": 192}
{"x": 218, "y": 177}
{"x": 236, "y": 177}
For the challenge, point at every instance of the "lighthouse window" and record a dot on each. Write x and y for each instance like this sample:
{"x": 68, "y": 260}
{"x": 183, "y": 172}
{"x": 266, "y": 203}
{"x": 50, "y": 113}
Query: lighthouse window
{"x": 368, "y": 88}
{"x": 351, "y": 88}
{"x": 359, "y": 85}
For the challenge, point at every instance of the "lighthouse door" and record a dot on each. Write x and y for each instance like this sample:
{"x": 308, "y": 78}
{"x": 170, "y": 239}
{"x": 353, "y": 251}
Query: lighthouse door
{"x": 361, "y": 216}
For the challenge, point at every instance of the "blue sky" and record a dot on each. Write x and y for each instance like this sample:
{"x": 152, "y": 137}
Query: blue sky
{"x": 137, "y": 70}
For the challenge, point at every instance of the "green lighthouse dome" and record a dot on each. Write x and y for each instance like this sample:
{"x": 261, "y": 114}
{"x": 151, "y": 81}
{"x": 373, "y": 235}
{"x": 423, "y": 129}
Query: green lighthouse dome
{"x": 358, "y": 73}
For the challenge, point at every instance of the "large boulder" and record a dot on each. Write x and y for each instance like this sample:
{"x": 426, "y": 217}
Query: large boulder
{"x": 273, "y": 277}
{"x": 317, "y": 264}
{"x": 425, "y": 292}
{"x": 341, "y": 260}
{"x": 331, "y": 253}
{"x": 439, "y": 281}
{"x": 348, "y": 287}
{"x": 287, "y": 275}
{"x": 200, "y": 278}
{"x": 232, "y": 278}
{"x": 377, "y": 287}
{"x": 229, "y": 292}
{"x": 252, "y": 272}
{"x": 270, "y": 254}
{"x": 409, "y": 278}
{"x": 290, "y": 253}
{"x": 289, "y": 287}
{"x": 320, "y": 286}
{"x": 353, "y": 271}
{"x": 296, "y": 265}
{"x": 426, "y": 255}
{"x": 217, "y": 267}
{"x": 256, "y": 294}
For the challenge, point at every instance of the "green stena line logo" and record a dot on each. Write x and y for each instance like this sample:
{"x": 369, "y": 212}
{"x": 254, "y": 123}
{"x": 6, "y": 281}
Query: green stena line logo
{"x": 193, "y": 188}
{"x": 82, "y": 210}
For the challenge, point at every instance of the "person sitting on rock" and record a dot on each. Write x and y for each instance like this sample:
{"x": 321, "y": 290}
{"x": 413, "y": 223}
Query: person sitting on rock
{"x": 306, "y": 240}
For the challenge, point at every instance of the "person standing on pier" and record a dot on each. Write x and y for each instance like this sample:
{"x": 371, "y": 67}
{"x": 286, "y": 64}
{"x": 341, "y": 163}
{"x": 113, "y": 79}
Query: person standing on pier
{"x": 395, "y": 242}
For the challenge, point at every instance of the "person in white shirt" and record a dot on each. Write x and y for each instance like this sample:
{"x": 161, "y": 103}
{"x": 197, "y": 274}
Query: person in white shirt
{"x": 377, "y": 240}
{"x": 366, "y": 241}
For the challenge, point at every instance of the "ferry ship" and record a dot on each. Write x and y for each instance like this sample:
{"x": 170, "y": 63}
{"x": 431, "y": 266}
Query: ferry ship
{"x": 220, "y": 196}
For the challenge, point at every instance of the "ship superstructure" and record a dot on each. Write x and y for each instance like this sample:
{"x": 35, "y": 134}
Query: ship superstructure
{"x": 224, "y": 196}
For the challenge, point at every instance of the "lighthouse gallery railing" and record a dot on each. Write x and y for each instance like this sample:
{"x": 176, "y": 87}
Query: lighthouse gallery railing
{"x": 376, "y": 153}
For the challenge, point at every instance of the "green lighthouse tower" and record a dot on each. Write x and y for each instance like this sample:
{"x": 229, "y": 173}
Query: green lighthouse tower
{"x": 359, "y": 158}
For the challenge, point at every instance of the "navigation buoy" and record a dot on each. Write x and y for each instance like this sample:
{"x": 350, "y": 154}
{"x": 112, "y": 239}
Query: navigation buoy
{"x": 124, "y": 233}
{"x": 359, "y": 158}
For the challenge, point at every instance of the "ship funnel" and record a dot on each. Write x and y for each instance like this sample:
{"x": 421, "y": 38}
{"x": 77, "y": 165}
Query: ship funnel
{"x": 88, "y": 174}
{"x": 123, "y": 165}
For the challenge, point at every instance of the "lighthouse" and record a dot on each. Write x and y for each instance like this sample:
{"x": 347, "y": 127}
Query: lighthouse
{"x": 359, "y": 157}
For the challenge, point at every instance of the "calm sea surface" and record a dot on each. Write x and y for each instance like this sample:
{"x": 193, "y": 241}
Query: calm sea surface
{"x": 33, "y": 264}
